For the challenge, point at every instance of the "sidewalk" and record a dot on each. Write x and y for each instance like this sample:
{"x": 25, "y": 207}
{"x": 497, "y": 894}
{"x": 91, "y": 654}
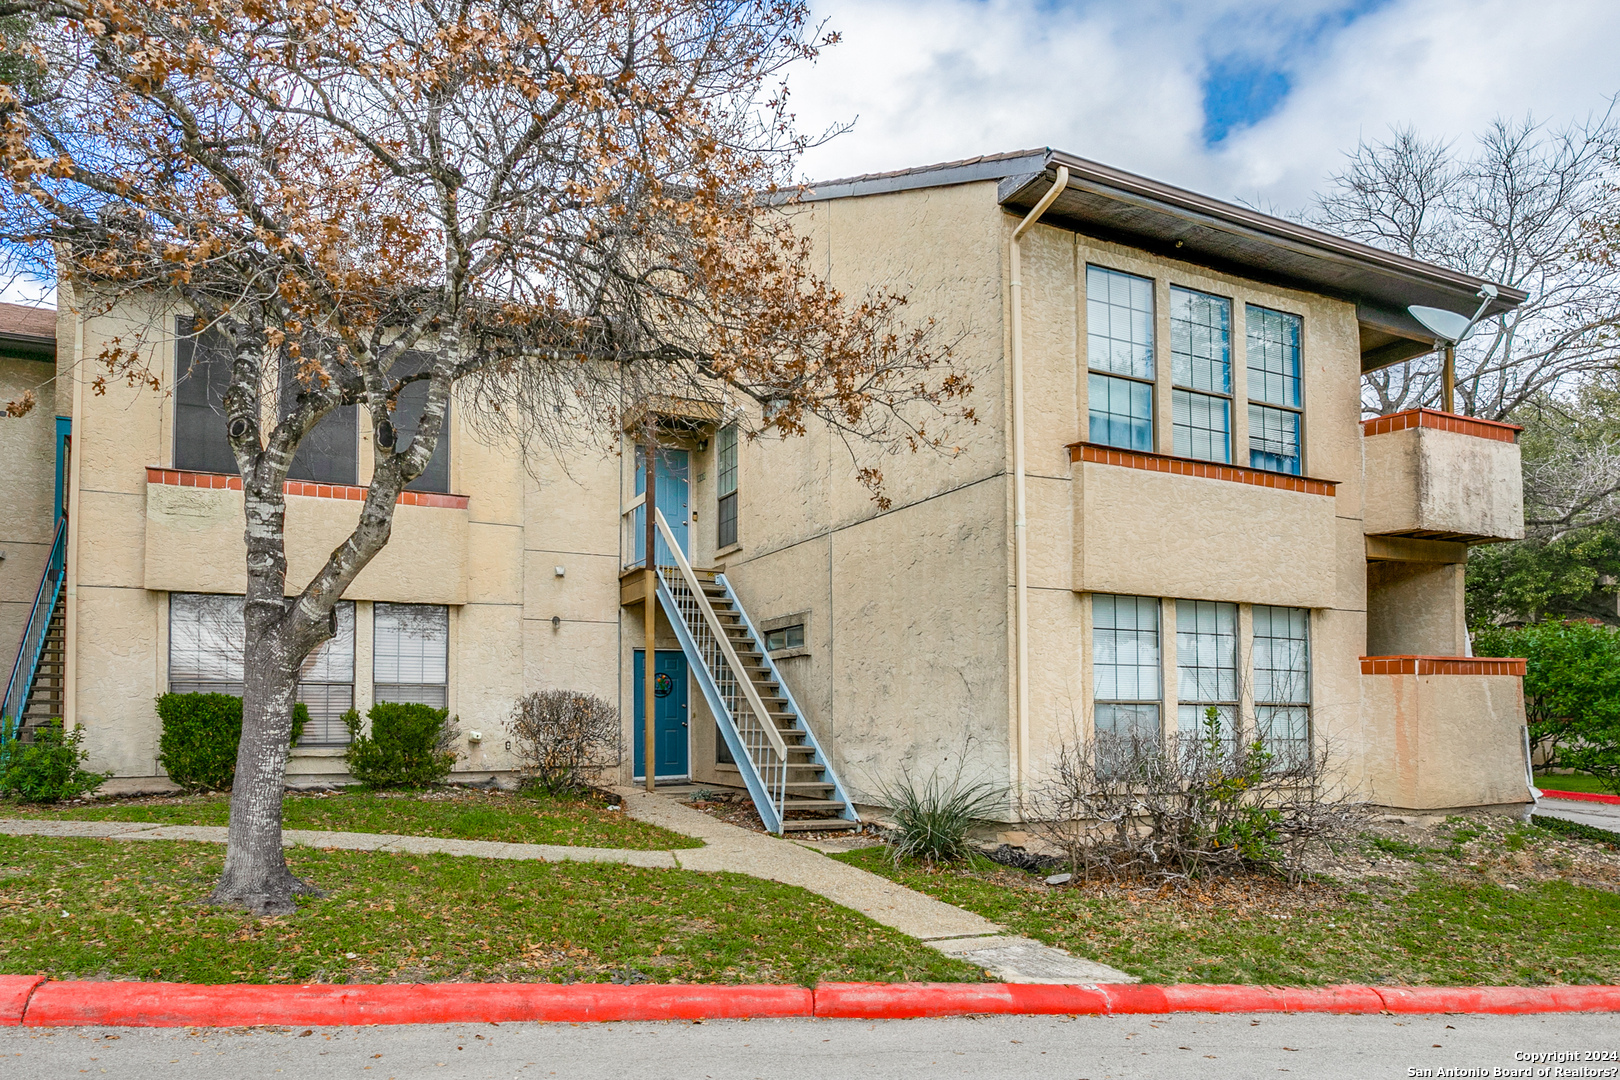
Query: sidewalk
{"x": 727, "y": 849}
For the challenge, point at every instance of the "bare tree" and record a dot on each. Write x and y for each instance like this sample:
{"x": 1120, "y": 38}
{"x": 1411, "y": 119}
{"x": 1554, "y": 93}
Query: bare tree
{"x": 548, "y": 212}
{"x": 1516, "y": 209}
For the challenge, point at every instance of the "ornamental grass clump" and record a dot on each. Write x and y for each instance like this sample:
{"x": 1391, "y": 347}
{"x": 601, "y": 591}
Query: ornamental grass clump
{"x": 934, "y": 817}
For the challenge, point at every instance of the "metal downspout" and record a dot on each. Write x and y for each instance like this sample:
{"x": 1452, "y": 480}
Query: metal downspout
{"x": 1020, "y": 538}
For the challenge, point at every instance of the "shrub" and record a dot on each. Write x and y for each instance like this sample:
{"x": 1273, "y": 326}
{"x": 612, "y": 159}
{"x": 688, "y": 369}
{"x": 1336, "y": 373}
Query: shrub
{"x": 49, "y": 767}
{"x": 563, "y": 738}
{"x": 201, "y": 734}
{"x": 932, "y": 818}
{"x": 408, "y": 745}
{"x": 1571, "y": 692}
{"x": 1129, "y": 807}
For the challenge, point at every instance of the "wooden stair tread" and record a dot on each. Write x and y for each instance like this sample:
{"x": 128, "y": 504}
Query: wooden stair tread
{"x": 819, "y": 825}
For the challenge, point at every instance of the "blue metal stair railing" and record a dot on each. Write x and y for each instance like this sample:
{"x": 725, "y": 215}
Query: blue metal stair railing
{"x": 25, "y": 668}
{"x": 799, "y": 722}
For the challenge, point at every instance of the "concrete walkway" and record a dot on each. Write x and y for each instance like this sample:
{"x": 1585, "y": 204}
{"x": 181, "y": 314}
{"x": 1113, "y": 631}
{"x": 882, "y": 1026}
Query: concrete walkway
{"x": 727, "y": 848}
{"x": 1596, "y": 814}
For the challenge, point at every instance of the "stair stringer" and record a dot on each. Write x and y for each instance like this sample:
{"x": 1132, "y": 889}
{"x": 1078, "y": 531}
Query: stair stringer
{"x": 799, "y": 722}
{"x": 757, "y": 790}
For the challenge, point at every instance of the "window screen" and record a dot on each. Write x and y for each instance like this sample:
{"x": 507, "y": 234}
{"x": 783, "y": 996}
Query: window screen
{"x": 408, "y": 414}
{"x": 202, "y": 373}
{"x": 1125, "y": 670}
{"x": 1282, "y": 680}
{"x": 1206, "y": 664}
{"x": 411, "y": 650}
{"x": 726, "y": 485}
{"x": 1274, "y": 439}
{"x": 330, "y": 453}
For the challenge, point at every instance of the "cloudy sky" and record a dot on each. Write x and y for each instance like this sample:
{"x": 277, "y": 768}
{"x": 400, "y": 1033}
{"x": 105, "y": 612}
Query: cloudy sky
{"x": 1250, "y": 100}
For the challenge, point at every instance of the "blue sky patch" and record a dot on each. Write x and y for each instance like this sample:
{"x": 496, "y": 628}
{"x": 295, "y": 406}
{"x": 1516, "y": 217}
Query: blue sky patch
{"x": 1238, "y": 93}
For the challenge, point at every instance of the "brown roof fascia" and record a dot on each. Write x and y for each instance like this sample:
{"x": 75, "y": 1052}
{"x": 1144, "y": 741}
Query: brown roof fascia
{"x": 28, "y": 331}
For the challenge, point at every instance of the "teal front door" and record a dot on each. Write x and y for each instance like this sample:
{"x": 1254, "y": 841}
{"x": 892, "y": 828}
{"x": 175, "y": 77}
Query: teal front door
{"x": 672, "y": 496}
{"x": 669, "y": 714}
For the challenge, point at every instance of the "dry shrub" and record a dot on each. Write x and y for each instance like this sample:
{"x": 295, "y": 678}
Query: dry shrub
{"x": 1135, "y": 809}
{"x": 564, "y": 739}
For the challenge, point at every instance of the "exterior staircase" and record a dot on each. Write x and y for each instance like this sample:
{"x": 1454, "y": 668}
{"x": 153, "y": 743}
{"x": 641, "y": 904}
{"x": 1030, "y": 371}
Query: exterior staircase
{"x": 34, "y": 692}
{"x": 784, "y": 768}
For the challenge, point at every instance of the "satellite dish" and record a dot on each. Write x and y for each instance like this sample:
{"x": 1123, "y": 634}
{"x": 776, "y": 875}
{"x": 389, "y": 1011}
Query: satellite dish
{"x": 1444, "y": 324}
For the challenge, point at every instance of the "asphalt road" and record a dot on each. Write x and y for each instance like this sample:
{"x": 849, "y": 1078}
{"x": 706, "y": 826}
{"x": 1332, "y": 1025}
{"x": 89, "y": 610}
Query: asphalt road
{"x": 1029, "y": 1048}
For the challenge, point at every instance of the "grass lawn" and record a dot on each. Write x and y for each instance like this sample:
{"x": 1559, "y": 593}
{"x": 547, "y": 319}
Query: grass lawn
{"x": 454, "y": 814}
{"x": 1442, "y": 923}
{"x": 127, "y": 909}
{"x": 1571, "y": 782}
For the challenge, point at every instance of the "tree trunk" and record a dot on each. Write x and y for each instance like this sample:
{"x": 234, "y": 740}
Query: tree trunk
{"x": 256, "y": 875}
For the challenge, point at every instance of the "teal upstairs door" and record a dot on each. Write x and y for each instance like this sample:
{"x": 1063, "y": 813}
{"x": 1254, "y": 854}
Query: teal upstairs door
{"x": 673, "y": 498}
{"x": 669, "y": 714}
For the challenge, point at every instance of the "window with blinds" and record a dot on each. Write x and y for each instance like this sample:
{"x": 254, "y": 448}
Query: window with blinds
{"x": 206, "y": 645}
{"x": 1282, "y": 680}
{"x": 326, "y": 684}
{"x": 1206, "y": 665}
{"x": 410, "y": 653}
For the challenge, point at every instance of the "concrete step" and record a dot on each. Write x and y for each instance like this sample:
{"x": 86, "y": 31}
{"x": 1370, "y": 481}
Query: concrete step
{"x": 819, "y": 825}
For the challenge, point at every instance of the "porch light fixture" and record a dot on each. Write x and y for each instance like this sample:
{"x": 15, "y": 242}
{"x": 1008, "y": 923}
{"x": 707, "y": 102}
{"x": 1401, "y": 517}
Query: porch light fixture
{"x": 1449, "y": 328}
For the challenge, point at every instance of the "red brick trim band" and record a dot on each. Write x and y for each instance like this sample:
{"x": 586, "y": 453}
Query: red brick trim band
{"x": 33, "y": 1001}
{"x": 1441, "y": 421}
{"x": 1442, "y": 665}
{"x": 1209, "y": 470}
{"x": 1581, "y": 796}
{"x": 350, "y": 492}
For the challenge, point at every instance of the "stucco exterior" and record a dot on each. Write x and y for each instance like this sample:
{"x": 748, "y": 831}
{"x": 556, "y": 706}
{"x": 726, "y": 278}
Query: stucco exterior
{"x": 909, "y": 613}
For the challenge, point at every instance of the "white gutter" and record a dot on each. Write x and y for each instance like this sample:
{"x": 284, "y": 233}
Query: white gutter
{"x": 1020, "y": 537}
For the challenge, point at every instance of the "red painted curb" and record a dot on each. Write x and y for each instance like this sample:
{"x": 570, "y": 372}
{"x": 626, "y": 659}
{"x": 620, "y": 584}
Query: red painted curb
{"x": 14, "y": 993}
{"x": 35, "y": 1002}
{"x": 1580, "y": 796}
{"x": 1501, "y": 1000}
{"x": 143, "y": 1004}
{"x": 906, "y": 1001}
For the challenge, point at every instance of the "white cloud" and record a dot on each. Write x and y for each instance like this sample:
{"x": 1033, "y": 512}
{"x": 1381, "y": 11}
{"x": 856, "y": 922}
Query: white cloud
{"x": 1120, "y": 81}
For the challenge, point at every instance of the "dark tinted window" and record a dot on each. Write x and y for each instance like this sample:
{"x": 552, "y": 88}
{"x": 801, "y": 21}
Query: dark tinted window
{"x": 330, "y": 453}
{"x": 202, "y": 374}
{"x": 408, "y": 413}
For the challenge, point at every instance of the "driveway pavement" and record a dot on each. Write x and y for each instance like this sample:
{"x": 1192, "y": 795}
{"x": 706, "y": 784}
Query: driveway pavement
{"x": 1596, "y": 814}
{"x": 1080, "y": 1048}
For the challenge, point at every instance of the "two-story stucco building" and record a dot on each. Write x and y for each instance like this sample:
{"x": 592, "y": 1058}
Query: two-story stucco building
{"x": 1171, "y": 502}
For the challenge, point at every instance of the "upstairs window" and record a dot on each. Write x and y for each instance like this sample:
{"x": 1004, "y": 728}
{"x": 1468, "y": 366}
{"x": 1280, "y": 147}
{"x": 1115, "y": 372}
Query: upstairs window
{"x": 725, "y": 481}
{"x": 785, "y": 637}
{"x": 327, "y": 455}
{"x": 1119, "y": 351}
{"x": 1282, "y": 680}
{"x": 202, "y": 374}
{"x": 408, "y": 408}
{"x": 411, "y": 653}
{"x": 1126, "y": 684}
{"x": 1275, "y": 392}
{"x": 1206, "y": 665}
{"x": 1201, "y": 374}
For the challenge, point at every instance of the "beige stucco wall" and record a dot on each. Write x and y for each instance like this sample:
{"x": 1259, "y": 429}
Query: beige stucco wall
{"x": 1428, "y": 480}
{"x": 1415, "y": 609}
{"x": 1444, "y": 741}
{"x": 27, "y": 491}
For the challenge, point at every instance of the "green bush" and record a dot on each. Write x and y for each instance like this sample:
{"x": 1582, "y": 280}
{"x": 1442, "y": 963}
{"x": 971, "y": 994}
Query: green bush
{"x": 408, "y": 745}
{"x": 50, "y": 767}
{"x": 1571, "y": 692}
{"x": 201, "y": 734}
